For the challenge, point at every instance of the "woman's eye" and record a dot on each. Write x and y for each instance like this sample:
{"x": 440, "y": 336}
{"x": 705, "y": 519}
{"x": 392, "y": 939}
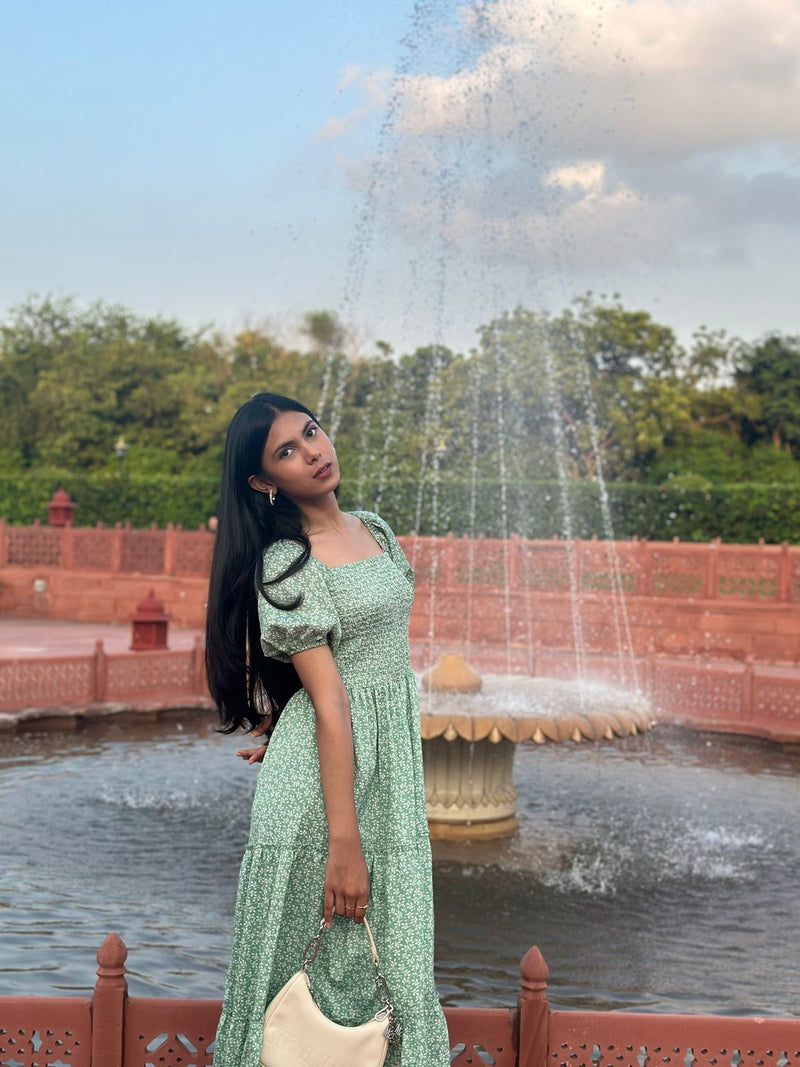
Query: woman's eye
{"x": 285, "y": 453}
{"x": 312, "y": 430}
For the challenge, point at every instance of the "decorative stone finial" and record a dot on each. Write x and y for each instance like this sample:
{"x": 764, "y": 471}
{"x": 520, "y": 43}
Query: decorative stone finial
{"x": 452, "y": 674}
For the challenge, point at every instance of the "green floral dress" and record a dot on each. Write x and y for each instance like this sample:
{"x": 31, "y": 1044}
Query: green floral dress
{"x": 361, "y": 610}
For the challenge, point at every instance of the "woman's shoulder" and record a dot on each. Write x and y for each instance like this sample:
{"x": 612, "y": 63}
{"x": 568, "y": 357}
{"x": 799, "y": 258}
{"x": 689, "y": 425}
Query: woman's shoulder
{"x": 279, "y": 556}
{"x": 375, "y": 522}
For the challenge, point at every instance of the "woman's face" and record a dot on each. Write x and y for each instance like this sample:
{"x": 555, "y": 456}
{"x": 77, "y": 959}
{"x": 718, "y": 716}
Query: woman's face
{"x": 298, "y": 459}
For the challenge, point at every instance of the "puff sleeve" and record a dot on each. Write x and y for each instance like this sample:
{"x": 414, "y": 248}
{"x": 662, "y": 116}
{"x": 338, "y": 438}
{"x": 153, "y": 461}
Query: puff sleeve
{"x": 385, "y": 537}
{"x": 314, "y": 622}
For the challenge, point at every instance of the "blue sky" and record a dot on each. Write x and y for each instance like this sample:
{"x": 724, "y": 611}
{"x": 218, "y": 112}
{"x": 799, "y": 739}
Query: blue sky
{"x": 212, "y": 160}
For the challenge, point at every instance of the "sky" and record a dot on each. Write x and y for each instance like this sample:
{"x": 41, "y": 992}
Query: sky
{"x": 418, "y": 167}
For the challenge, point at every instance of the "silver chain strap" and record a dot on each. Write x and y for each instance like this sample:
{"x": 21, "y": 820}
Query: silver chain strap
{"x": 393, "y": 1028}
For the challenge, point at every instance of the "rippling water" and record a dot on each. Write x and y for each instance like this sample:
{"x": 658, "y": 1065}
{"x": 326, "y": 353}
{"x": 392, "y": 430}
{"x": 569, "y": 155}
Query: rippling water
{"x": 658, "y": 873}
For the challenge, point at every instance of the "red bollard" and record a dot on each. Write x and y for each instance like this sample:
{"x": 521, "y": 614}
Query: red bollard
{"x": 150, "y": 622}
{"x": 60, "y": 509}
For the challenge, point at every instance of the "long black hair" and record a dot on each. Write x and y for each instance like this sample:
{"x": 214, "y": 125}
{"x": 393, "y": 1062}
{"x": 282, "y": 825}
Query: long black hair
{"x": 245, "y": 684}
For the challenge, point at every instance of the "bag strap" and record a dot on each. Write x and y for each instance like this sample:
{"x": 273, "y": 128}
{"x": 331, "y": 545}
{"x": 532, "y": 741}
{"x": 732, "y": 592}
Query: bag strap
{"x": 381, "y": 987}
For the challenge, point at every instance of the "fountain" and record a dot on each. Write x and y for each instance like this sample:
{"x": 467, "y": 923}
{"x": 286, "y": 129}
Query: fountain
{"x": 639, "y": 851}
{"x": 472, "y": 725}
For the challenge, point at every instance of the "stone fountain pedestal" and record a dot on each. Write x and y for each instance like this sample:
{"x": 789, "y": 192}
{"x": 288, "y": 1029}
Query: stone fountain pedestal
{"x": 469, "y": 788}
{"x": 471, "y": 726}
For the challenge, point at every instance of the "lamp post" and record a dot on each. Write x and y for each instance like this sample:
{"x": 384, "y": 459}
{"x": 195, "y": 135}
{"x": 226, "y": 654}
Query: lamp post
{"x": 121, "y": 451}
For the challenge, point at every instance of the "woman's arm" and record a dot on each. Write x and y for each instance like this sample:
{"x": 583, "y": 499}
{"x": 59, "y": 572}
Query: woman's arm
{"x": 346, "y": 873}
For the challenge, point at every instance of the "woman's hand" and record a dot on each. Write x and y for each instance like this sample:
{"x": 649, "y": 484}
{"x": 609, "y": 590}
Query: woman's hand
{"x": 256, "y": 755}
{"x": 252, "y": 755}
{"x": 346, "y": 881}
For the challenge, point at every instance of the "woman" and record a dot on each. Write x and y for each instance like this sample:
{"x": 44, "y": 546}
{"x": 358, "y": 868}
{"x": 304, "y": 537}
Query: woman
{"x": 307, "y": 642}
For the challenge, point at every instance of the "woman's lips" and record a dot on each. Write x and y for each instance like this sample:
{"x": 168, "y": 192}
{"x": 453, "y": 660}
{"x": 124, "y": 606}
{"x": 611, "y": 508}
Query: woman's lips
{"x": 324, "y": 470}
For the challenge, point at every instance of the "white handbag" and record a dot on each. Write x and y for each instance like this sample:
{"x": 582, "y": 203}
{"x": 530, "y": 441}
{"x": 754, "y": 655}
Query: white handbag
{"x": 297, "y": 1034}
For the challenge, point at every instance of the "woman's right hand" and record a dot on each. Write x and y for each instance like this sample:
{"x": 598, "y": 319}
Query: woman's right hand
{"x": 253, "y": 755}
{"x": 346, "y": 881}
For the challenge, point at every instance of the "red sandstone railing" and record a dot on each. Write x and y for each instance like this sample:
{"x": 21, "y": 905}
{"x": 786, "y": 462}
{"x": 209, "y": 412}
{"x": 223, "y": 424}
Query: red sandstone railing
{"x": 730, "y": 697}
{"x": 112, "y": 1029}
{"x": 99, "y": 679}
{"x": 751, "y": 573}
{"x": 118, "y": 550}
{"x": 709, "y": 632}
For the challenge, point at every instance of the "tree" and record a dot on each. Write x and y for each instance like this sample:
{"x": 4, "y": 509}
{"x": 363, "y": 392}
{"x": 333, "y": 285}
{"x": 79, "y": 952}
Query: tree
{"x": 770, "y": 371}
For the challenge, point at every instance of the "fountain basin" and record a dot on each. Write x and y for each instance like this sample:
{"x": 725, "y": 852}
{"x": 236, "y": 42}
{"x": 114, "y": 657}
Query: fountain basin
{"x": 469, "y": 740}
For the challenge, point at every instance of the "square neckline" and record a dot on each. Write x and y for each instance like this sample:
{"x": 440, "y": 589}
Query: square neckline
{"x": 355, "y": 562}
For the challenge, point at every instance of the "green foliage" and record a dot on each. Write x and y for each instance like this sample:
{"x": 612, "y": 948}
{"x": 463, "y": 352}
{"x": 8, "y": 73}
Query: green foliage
{"x": 108, "y": 498}
{"x": 722, "y": 459}
{"x": 436, "y": 439}
{"x": 692, "y": 512}
{"x": 771, "y": 372}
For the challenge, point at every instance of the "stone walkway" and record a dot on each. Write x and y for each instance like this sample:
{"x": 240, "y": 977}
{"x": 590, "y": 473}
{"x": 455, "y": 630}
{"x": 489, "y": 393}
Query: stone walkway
{"x": 33, "y": 638}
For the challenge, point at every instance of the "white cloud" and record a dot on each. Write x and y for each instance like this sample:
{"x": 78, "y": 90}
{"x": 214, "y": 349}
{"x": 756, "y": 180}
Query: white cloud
{"x": 372, "y": 87}
{"x": 663, "y": 77}
{"x": 589, "y": 176}
{"x": 597, "y": 134}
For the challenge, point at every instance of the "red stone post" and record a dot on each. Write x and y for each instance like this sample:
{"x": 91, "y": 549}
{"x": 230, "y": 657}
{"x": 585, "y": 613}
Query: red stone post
{"x": 533, "y": 1010}
{"x": 110, "y": 992}
{"x": 149, "y": 625}
{"x": 116, "y": 549}
{"x": 514, "y": 563}
{"x": 60, "y": 509}
{"x": 3, "y": 544}
{"x": 198, "y": 665}
{"x": 67, "y": 547}
{"x": 785, "y": 573}
{"x": 169, "y": 549}
{"x": 99, "y": 674}
{"x": 748, "y": 689}
{"x": 712, "y": 568}
{"x": 645, "y": 583}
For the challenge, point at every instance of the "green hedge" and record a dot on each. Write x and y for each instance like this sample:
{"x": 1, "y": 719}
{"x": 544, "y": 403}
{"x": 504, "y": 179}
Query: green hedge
{"x": 736, "y": 513}
{"x": 140, "y": 500}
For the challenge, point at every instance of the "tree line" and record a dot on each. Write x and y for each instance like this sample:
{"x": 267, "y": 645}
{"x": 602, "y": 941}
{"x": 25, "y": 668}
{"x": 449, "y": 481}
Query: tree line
{"x": 596, "y": 393}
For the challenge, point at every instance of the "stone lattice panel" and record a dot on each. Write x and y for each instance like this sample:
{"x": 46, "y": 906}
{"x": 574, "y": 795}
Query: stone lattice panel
{"x": 51, "y": 1032}
{"x": 608, "y": 567}
{"x": 34, "y": 546}
{"x": 614, "y": 1039}
{"x": 93, "y": 550}
{"x": 170, "y": 1033}
{"x": 747, "y": 573}
{"x": 544, "y": 568}
{"x": 715, "y": 692}
{"x": 193, "y": 551}
{"x": 481, "y": 1036}
{"x": 52, "y": 683}
{"x": 484, "y": 563}
{"x": 148, "y": 675}
{"x": 776, "y": 699}
{"x": 143, "y": 551}
{"x": 677, "y": 572}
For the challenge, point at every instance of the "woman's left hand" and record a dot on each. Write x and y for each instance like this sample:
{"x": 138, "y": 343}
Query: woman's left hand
{"x": 256, "y": 755}
{"x": 253, "y": 755}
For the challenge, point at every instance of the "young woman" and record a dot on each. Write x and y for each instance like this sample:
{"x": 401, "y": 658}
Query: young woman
{"x": 307, "y": 643}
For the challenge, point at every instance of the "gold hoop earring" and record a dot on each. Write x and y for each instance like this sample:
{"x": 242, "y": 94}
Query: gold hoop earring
{"x": 272, "y": 497}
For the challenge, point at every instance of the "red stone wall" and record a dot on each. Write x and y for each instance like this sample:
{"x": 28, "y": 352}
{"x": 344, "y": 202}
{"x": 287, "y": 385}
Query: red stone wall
{"x": 713, "y": 631}
{"x": 715, "y": 600}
